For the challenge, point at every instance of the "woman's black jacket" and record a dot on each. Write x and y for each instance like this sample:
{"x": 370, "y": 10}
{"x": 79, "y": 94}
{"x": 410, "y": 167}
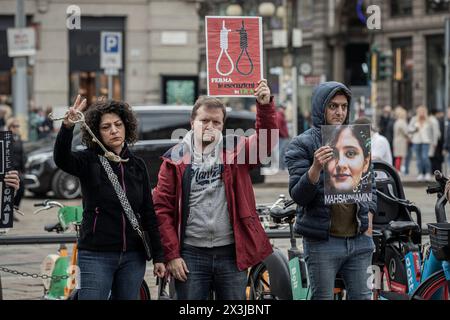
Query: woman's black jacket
{"x": 105, "y": 226}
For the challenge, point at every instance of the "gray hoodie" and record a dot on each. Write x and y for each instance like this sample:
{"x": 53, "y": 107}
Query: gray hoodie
{"x": 208, "y": 223}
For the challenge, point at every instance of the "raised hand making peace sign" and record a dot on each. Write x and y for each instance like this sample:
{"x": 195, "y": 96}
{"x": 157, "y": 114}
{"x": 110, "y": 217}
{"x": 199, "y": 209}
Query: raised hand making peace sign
{"x": 72, "y": 114}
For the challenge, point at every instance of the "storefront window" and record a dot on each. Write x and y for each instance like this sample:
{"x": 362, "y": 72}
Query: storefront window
{"x": 5, "y": 83}
{"x": 86, "y": 77}
{"x": 274, "y": 63}
{"x": 435, "y": 72}
{"x": 401, "y": 8}
{"x": 6, "y": 63}
{"x": 403, "y": 68}
{"x": 438, "y": 6}
{"x": 179, "y": 90}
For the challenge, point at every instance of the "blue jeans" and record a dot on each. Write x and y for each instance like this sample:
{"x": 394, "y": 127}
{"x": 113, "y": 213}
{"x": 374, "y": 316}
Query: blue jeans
{"x": 119, "y": 274}
{"x": 423, "y": 161}
{"x": 211, "y": 268}
{"x": 349, "y": 256}
{"x": 408, "y": 158}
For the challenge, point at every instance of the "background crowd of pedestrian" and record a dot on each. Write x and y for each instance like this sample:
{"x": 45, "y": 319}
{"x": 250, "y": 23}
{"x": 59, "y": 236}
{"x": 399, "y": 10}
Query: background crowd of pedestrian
{"x": 39, "y": 125}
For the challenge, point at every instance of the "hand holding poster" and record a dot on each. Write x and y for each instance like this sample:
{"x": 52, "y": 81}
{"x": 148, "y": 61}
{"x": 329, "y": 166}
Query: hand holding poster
{"x": 233, "y": 55}
{"x": 347, "y": 175}
{"x": 6, "y": 193}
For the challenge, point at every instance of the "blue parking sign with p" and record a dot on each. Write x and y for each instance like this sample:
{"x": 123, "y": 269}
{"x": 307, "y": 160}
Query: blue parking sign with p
{"x": 111, "y": 50}
{"x": 111, "y": 44}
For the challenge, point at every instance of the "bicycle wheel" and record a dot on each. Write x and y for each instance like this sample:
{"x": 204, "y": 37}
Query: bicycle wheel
{"x": 260, "y": 284}
{"x": 166, "y": 288}
{"x": 73, "y": 295}
{"x": 144, "y": 291}
{"x": 435, "y": 287}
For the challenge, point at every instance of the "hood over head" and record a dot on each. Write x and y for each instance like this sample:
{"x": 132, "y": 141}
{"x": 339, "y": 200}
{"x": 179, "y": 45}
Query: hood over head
{"x": 321, "y": 96}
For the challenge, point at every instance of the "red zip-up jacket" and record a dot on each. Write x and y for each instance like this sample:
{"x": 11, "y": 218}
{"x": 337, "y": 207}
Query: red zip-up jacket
{"x": 251, "y": 242}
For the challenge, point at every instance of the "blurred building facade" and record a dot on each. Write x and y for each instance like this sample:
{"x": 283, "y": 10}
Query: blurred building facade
{"x": 160, "y": 50}
{"x": 164, "y": 58}
{"x": 335, "y": 43}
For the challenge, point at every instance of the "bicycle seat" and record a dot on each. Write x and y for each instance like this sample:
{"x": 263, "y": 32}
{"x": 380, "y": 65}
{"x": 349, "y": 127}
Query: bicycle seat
{"x": 402, "y": 226}
{"x": 53, "y": 227}
{"x": 280, "y": 213}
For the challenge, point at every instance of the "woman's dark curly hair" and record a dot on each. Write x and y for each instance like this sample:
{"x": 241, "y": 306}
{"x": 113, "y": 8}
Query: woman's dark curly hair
{"x": 94, "y": 114}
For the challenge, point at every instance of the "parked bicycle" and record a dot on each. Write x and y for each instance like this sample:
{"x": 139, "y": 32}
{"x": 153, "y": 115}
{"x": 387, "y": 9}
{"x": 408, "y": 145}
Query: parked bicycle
{"x": 281, "y": 277}
{"x": 60, "y": 267}
{"x": 278, "y": 277}
{"x": 416, "y": 279}
{"x": 397, "y": 234}
{"x": 435, "y": 276}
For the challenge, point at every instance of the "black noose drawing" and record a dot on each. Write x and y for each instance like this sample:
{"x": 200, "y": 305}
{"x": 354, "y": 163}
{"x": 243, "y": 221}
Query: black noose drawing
{"x": 243, "y": 43}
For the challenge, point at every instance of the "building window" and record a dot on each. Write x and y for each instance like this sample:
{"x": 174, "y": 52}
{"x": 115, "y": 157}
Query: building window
{"x": 435, "y": 72}
{"x": 305, "y": 12}
{"x": 403, "y": 69}
{"x": 438, "y": 6}
{"x": 86, "y": 77}
{"x": 6, "y": 63}
{"x": 355, "y": 61}
{"x": 5, "y": 83}
{"x": 179, "y": 90}
{"x": 401, "y": 8}
{"x": 274, "y": 62}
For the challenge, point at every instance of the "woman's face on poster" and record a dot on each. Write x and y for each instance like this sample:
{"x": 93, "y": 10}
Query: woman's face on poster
{"x": 348, "y": 164}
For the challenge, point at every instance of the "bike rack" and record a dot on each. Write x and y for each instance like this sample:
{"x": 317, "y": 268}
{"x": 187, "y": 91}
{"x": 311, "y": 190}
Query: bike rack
{"x": 279, "y": 234}
{"x": 37, "y": 239}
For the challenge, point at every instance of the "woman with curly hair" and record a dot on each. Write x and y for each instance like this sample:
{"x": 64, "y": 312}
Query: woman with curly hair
{"x": 111, "y": 255}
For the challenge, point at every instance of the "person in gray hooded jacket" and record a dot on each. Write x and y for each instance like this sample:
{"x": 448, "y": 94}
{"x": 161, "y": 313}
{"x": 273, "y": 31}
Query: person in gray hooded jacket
{"x": 336, "y": 238}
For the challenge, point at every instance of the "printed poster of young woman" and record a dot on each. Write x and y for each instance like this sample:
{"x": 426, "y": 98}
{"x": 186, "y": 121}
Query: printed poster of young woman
{"x": 347, "y": 175}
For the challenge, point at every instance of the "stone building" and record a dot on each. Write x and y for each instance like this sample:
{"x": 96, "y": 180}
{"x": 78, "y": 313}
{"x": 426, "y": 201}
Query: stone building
{"x": 159, "y": 56}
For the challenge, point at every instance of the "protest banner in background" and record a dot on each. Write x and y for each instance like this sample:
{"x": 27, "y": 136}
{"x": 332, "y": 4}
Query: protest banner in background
{"x": 347, "y": 176}
{"x": 6, "y": 193}
{"x": 234, "y": 53}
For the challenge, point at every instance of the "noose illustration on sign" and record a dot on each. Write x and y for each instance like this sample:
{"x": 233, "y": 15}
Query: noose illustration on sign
{"x": 243, "y": 43}
{"x": 224, "y": 49}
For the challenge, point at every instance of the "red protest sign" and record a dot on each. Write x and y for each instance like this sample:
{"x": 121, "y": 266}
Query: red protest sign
{"x": 233, "y": 55}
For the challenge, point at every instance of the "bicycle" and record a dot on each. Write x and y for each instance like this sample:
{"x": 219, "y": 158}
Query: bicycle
{"x": 397, "y": 236}
{"x": 64, "y": 272}
{"x": 428, "y": 278}
{"x": 278, "y": 277}
{"x": 257, "y": 275}
{"x": 435, "y": 276}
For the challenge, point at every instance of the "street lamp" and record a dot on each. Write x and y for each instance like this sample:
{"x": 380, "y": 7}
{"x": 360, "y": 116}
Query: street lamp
{"x": 287, "y": 73}
{"x": 234, "y": 10}
{"x": 266, "y": 9}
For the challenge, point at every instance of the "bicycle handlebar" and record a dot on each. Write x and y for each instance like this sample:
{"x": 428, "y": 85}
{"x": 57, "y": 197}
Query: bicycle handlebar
{"x": 47, "y": 205}
{"x": 439, "y": 188}
{"x": 284, "y": 211}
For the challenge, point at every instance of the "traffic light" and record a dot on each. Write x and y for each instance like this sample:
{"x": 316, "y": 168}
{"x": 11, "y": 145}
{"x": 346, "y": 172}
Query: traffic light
{"x": 379, "y": 64}
{"x": 372, "y": 64}
{"x": 384, "y": 65}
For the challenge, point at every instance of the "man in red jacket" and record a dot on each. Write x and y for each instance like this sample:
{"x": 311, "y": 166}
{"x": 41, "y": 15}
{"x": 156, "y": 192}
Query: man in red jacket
{"x": 205, "y": 203}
